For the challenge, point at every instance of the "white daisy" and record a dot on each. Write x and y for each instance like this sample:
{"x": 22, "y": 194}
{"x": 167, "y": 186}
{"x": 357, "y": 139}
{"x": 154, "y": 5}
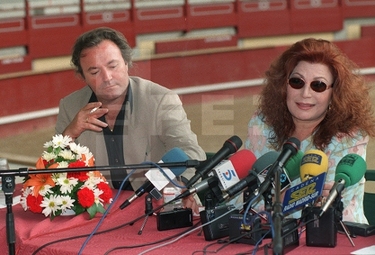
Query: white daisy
{"x": 66, "y": 185}
{"x": 61, "y": 141}
{"x": 48, "y": 144}
{"x": 48, "y": 155}
{"x": 92, "y": 181}
{"x": 67, "y": 154}
{"x": 88, "y": 156}
{"x": 25, "y": 193}
{"x": 75, "y": 147}
{"x": 67, "y": 202}
{"x": 97, "y": 193}
{"x": 63, "y": 164}
{"x": 51, "y": 205}
{"x": 45, "y": 189}
{"x": 56, "y": 176}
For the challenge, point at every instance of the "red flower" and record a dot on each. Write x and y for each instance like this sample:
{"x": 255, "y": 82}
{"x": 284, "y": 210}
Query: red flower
{"x": 78, "y": 163}
{"x": 34, "y": 203}
{"x": 86, "y": 197}
{"x": 81, "y": 176}
{"x": 107, "y": 192}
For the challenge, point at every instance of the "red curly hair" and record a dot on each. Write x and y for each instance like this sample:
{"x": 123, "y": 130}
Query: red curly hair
{"x": 351, "y": 107}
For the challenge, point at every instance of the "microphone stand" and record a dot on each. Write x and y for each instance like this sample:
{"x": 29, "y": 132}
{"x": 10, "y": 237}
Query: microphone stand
{"x": 27, "y": 171}
{"x": 8, "y": 185}
{"x": 339, "y": 207}
{"x": 148, "y": 211}
{"x": 277, "y": 215}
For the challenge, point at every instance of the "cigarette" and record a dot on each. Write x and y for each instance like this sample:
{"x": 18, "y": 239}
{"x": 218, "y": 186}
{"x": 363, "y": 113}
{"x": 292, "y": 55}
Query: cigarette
{"x": 94, "y": 109}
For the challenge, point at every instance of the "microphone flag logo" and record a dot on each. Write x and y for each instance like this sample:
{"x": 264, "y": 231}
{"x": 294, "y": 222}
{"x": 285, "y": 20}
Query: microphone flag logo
{"x": 311, "y": 158}
{"x": 349, "y": 160}
{"x": 303, "y": 193}
{"x": 229, "y": 174}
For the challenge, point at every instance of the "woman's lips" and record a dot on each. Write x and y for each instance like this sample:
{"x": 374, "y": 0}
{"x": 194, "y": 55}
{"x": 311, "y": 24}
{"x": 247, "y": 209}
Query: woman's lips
{"x": 305, "y": 106}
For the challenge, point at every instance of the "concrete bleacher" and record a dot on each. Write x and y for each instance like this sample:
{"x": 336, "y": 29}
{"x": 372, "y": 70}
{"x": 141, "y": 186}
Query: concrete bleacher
{"x": 48, "y": 28}
{"x": 178, "y": 43}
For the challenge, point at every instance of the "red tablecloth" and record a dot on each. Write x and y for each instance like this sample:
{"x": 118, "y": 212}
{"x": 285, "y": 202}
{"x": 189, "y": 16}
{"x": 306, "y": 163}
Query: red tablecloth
{"x": 34, "y": 230}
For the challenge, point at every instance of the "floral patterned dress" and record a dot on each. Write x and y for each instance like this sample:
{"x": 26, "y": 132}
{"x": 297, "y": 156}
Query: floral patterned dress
{"x": 352, "y": 196}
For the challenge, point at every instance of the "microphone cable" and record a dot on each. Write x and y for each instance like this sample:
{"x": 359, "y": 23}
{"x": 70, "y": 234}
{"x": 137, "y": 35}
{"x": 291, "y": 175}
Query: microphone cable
{"x": 117, "y": 195}
{"x": 226, "y": 242}
{"x": 190, "y": 231}
{"x": 99, "y": 223}
{"x": 196, "y": 228}
{"x": 151, "y": 243}
{"x": 89, "y": 236}
{"x": 104, "y": 214}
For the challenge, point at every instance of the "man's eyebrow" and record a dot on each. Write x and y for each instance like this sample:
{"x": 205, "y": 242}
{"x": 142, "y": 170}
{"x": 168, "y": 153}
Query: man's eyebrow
{"x": 109, "y": 62}
{"x": 112, "y": 61}
{"x": 92, "y": 68}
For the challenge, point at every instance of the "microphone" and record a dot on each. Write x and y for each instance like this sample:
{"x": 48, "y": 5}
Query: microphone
{"x": 260, "y": 169}
{"x": 291, "y": 169}
{"x": 157, "y": 178}
{"x": 230, "y": 171}
{"x": 349, "y": 171}
{"x": 313, "y": 163}
{"x": 251, "y": 179}
{"x": 290, "y": 148}
{"x": 230, "y": 146}
{"x": 225, "y": 174}
{"x": 289, "y": 172}
{"x": 265, "y": 162}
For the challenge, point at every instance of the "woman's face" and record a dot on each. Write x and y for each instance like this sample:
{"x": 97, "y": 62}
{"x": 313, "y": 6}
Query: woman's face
{"x": 306, "y": 105}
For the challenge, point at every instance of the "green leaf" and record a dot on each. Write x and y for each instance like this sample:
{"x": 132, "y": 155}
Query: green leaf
{"x": 92, "y": 210}
{"x": 52, "y": 216}
{"x": 78, "y": 209}
{"x": 101, "y": 209}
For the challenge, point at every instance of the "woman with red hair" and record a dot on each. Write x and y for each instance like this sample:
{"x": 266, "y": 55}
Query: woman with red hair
{"x": 313, "y": 92}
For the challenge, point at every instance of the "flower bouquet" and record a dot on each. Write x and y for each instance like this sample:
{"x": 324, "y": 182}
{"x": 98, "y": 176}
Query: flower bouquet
{"x": 55, "y": 194}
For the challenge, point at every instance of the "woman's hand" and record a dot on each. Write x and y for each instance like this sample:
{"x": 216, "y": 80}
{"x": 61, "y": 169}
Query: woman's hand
{"x": 327, "y": 188}
{"x": 325, "y": 193}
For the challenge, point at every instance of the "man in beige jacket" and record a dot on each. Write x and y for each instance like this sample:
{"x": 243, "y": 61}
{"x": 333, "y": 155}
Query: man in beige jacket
{"x": 122, "y": 119}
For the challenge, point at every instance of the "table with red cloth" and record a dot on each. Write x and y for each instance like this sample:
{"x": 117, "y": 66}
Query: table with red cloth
{"x": 34, "y": 231}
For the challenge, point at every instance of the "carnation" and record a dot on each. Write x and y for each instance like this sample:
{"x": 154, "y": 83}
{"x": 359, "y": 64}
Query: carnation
{"x": 86, "y": 197}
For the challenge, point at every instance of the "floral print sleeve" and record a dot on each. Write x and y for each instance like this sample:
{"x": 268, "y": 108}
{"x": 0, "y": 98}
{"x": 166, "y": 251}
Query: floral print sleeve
{"x": 352, "y": 196}
{"x": 341, "y": 145}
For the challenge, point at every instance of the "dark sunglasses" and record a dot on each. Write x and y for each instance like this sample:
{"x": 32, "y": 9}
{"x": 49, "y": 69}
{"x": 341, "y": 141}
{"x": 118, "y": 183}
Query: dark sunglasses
{"x": 317, "y": 86}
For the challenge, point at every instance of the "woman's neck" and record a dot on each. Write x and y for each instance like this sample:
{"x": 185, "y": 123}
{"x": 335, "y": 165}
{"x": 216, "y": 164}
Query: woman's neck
{"x": 303, "y": 131}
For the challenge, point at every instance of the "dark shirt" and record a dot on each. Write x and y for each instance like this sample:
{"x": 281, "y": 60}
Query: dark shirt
{"x": 114, "y": 144}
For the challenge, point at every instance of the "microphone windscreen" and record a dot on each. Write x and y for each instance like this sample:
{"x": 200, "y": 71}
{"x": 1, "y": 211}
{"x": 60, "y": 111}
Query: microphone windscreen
{"x": 293, "y": 144}
{"x": 242, "y": 162}
{"x": 175, "y": 155}
{"x": 292, "y": 166}
{"x": 351, "y": 169}
{"x": 313, "y": 163}
{"x": 233, "y": 144}
{"x": 265, "y": 161}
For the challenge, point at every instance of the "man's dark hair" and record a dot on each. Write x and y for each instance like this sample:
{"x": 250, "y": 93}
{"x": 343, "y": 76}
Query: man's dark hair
{"x": 95, "y": 37}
